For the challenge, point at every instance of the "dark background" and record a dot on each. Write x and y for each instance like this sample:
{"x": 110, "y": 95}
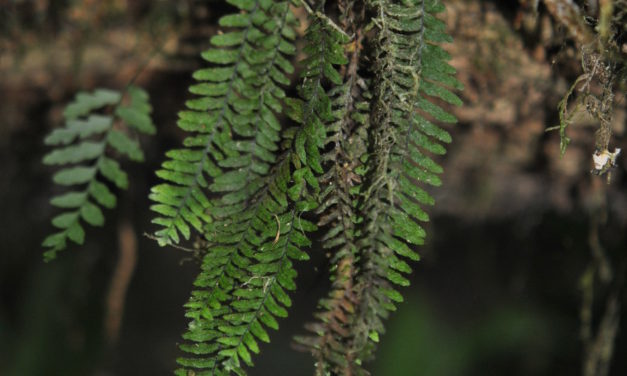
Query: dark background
{"x": 497, "y": 291}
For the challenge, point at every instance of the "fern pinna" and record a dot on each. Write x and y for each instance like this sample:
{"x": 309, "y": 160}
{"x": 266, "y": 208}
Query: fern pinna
{"x": 83, "y": 144}
{"x": 359, "y": 148}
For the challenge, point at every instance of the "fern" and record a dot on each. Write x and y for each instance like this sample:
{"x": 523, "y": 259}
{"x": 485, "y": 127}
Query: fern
{"x": 346, "y": 144}
{"x": 254, "y": 225}
{"x": 353, "y": 162}
{"x": 410, "y": 68}
{"x": 238, "y": 97}
{"x": 373, "y": 208}
{"x": 247, "y": 270}
{"x": 82, "y": 147}
{"x": 245, "y": 183}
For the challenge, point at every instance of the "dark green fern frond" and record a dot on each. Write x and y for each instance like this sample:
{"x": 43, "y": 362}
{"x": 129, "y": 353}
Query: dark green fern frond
{"x": 239, "y": 96}
{"x": 258, "y": 229}
{"x": 82, "y": 147}
{"x": 410, "y": 71}
{"x": 347, "y": 145}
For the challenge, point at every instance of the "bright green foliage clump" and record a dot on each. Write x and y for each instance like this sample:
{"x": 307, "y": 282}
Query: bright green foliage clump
{"x": 360, "y": 147}
{"x": 84, "y": 147}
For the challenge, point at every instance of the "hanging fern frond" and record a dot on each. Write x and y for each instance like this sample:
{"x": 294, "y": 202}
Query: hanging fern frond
{"x": 242, "y": 287}
{"x": 239, "y": 96}
{"x": 82, "y": 148}
{"x": 258, "y": 227}
{"x": 347, "y": 145}
{"x": 410, "y": 71}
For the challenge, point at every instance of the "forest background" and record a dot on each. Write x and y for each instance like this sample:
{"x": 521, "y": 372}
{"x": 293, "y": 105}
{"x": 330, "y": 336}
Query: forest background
{"x": 499, "y": 287}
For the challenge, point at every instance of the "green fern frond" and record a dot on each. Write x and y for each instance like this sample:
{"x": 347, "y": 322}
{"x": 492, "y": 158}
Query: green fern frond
{"x": 239, "y": 96}
{"x": 258, "y": 228}
{"x": 82, "y": 148}
{"x": 411, "y": 70}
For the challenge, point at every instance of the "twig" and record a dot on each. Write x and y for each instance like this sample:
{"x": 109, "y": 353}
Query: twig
{"x": 179, "y": 247}
{"x": 568, "y": 14}
{"x": 325, "y": 18}
{"x": 278, "y": 230}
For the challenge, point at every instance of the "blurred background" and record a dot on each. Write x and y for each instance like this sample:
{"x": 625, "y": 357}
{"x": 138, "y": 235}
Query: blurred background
{"x": 525, "y": 257}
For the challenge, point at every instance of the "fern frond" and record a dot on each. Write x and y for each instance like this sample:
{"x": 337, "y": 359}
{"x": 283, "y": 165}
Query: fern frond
{"x": 258, "y": 229}
{"x": 347, "y": 145}
{"x": 234, "y": 304}
{"x": 239, "y": 96}
{"x": 82, "y": 147}
{"x": 410, "y": 71}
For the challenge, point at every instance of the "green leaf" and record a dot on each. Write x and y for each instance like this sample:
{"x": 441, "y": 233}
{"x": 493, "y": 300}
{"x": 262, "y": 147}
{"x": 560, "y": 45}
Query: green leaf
{"x": 244, "y": 354}
{"x": 435, "y": 90}
{"x": 84, "y": 103}
{"x": 268, "y": 320}
{"x": 55, "y": 241}
{"x": 332, "y": 74}
{"x": 221, "y": 56}
{"x": 73, "y": 154}
{"x": 111, "y": 170}
{"x": 214, "y": 74}
{"x": 182, "y": 227}
{"x": 228, "y": 39}
{"x": 242, "y": 4}
{"x": 294, "y": 109}
{"x": 374, "y": 336}
{"x": 92, "y": 214}
{"x": 65, "y": 220}
{"x": 76, "y": 233}
{"x": 436, "y": 111}
{"x": 69, "y": 200}
{"x": 230, "y": 181}
{"x": 250, "y": 342}
{"x": 259, "y": 331}
{"x": 94, "y": 125}
{"x": 235, "y": 20}
{"x": 299, "y": 145}
{"x": 136, "y": 119}
{"x": 74, "y": 175}
{"x": 102, "y": 195}
{"x": 393, "y": 294}
{"x": 61, "y": 136}
{"x": 120, "y": 142}
{"x": 195, "y": 363}
{"x": 274, "y": 308}
{"x": 397, "y": 278}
